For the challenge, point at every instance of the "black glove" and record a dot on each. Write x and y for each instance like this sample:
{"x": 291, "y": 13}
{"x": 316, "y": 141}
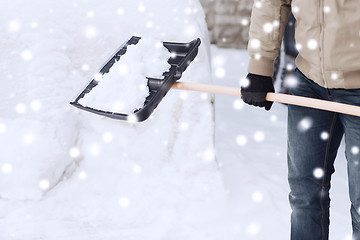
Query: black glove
{"x": 255, "y": 92}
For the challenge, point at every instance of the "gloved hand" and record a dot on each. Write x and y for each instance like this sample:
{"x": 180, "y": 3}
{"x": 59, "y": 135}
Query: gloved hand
{"x": 255, "y": 92}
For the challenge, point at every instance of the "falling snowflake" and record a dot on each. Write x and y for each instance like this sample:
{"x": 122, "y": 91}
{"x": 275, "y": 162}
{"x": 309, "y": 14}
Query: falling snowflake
{"x": 90, "y": 14}
{"x": 259, "y": 136}
{"x": 74, "y": 152}
{"x": 219, "y": 61}
{"x": 290, "y": 81}
{"x": 327, "y": 9}
{"x": 324, "y": 135}
{"x": 90, "y": 32}
{"x": 245, "y": 21}
{"x": 132, "y": 118}
{"x": 268, "y": 27}
{"x": 34, "y": 24}
{"x": 137, "y": 169}
{"x": 255, "y": 43}
{"x": 107, "y": 137}
{"x": 241, "y": 140}
{"x": 334, "y": 76}
{"x": 35, "y": 105}
{"x": 184, "y": 126}
{"x": 258, "y": 4}
{"x": 273, "y": 118}
{"x": 149, "y": 24}
{"x": 295, "y": 9}
{"x": 26, "y": 55}
{"x": 44, "y": 184}
{"x": 141, "y": 7}
{"x": 98, "y": 77}
{"x": 28, "y": 138}
{"x": 94, "y": 149}
{"x": 305, "y": 124}
{"x": 312, "y": 44}
{"x": 209, "y": 154}
{"x": 183, "y": 95}
{"x": 120, "y": 11}
{"x": 298, "y": 46}
{"x": 85, "y": 67}
{"x": 257, "y": 196}
{"x": 238, "y": 104}
{"x": 253, "y": 229}
{"x": 2, "y": 128}
{"x": 244, "y": 82}
{"x": 124, "y": 202}
{"x": 220, "y": 72}
{"x": 6, "y": 168}
{"x": 355, "y": 150}
{"x": 14, "y": 25}
{"x": 318, "y": 173}
{"x": 82, "y": 175}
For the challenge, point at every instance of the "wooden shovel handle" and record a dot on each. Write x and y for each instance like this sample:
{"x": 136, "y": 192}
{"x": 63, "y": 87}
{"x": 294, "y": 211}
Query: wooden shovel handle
{"x": 274, "y": 97}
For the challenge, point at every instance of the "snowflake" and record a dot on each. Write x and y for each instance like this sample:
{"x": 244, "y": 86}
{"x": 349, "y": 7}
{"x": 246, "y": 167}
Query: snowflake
{"x": 245, "y": 21}
{"x": 74, "y": 152}
{"x": 34, "y": 24}
{"x": 334, "y": 76}
{"x": 28, "y": 138}
{"x": 253, "y": 229}
{"x": 290, "y": 81}
{"x": 184, "y": 126}
{"x": 35, "y": 105}
{"x": 220, "y": 72}
{"x": 132, "y": 118}
{"x": 259, "y": 136}
{"x": 268, "y": 27}
{"x": 124, "y": 202}
{"x": 14, "y": 25}
{"x": 85, "y": 67}
{"x": 90, "y": 32}
{"x": 120, "y": 11}
{"x": 90, "y": 14}
{"x": 137, "y": 169}
{"x": 244, "y": 82}
{"x": 327, "y": 9}
{"x": 141, "y": 7}
{"x": 20, "y": 108}
{"x": 209, "y": 154}
{"x": 238, "y": 104}
{"x": 44, "y": 184}
{"x": 255, "y": 43}
{"x": 98, "y": 77}
{"x": 219, "y": 61}
{"x": 355, "y": 150}
{"x": 149, "y": 24}
{"x": 318, "y": 173}
{"x": 273, "y": 118}
{"x": 295, "y": 9}
{"x": 241, "y": 140}
{"x": 6, "y": 168}
{"x": 305, "y": 124}
{"x": 298, "y": 46}
{"x": 107, "y": 137}
{"x": 257, "y": 196}
{"x": 2, "y": 128}
{"x": 26, "y": 55}
{"x": 82, "y": 175}
{"x": 94, "y": 149}
{"x": 324, "y": 135}
{"x": 312, "y": 44}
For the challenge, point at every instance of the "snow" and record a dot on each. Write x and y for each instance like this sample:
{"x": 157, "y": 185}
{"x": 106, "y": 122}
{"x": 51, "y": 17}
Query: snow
{"x": 124, "y": 88}
{"x": 68, "y": 174}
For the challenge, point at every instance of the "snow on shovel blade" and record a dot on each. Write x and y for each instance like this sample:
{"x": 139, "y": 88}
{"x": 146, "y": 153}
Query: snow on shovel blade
{"x": 182, "y": 55}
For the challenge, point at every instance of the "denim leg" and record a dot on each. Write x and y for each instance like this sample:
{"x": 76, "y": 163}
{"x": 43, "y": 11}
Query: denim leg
{"x": 352, "y": 152}
{"x": 313, "y": 140}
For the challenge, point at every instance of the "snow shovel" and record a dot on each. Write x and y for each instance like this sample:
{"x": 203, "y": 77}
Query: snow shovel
{"x": 184, "y": 55}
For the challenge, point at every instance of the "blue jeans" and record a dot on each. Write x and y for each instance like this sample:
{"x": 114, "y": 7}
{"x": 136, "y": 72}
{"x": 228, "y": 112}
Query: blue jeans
{"x": 314, "y": 137}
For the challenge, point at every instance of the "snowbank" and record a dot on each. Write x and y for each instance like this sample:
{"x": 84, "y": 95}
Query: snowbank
{"x": 88, "y": 177}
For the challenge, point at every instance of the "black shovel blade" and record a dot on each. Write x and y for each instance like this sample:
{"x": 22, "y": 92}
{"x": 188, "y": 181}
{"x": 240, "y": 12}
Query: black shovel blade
{"x": 182, "y": 55}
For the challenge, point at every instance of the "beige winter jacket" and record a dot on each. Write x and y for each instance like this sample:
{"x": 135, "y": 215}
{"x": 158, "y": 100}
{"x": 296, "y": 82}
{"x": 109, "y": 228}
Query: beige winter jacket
{"x": 327, "y": 37}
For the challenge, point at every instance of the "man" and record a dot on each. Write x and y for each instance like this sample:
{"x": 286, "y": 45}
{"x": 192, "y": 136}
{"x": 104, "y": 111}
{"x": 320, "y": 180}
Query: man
{"x": 328, "y": 67}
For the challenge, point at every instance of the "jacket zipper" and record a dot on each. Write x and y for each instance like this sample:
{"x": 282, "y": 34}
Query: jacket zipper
{"x": 322, "y": 55}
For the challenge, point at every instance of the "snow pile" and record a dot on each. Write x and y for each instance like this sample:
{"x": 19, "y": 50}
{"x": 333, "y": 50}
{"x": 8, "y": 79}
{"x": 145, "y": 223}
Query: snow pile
{"x": 98, "y": 178}
{"x": 124, "y": 89}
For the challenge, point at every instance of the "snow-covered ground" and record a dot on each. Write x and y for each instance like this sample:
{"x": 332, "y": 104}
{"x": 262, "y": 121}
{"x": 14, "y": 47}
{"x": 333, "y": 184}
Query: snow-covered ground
{"x": 67, "y": 174}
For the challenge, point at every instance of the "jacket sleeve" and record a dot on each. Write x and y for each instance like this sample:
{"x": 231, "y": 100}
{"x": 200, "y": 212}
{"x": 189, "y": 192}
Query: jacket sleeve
{"x": 268, "y": 21}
